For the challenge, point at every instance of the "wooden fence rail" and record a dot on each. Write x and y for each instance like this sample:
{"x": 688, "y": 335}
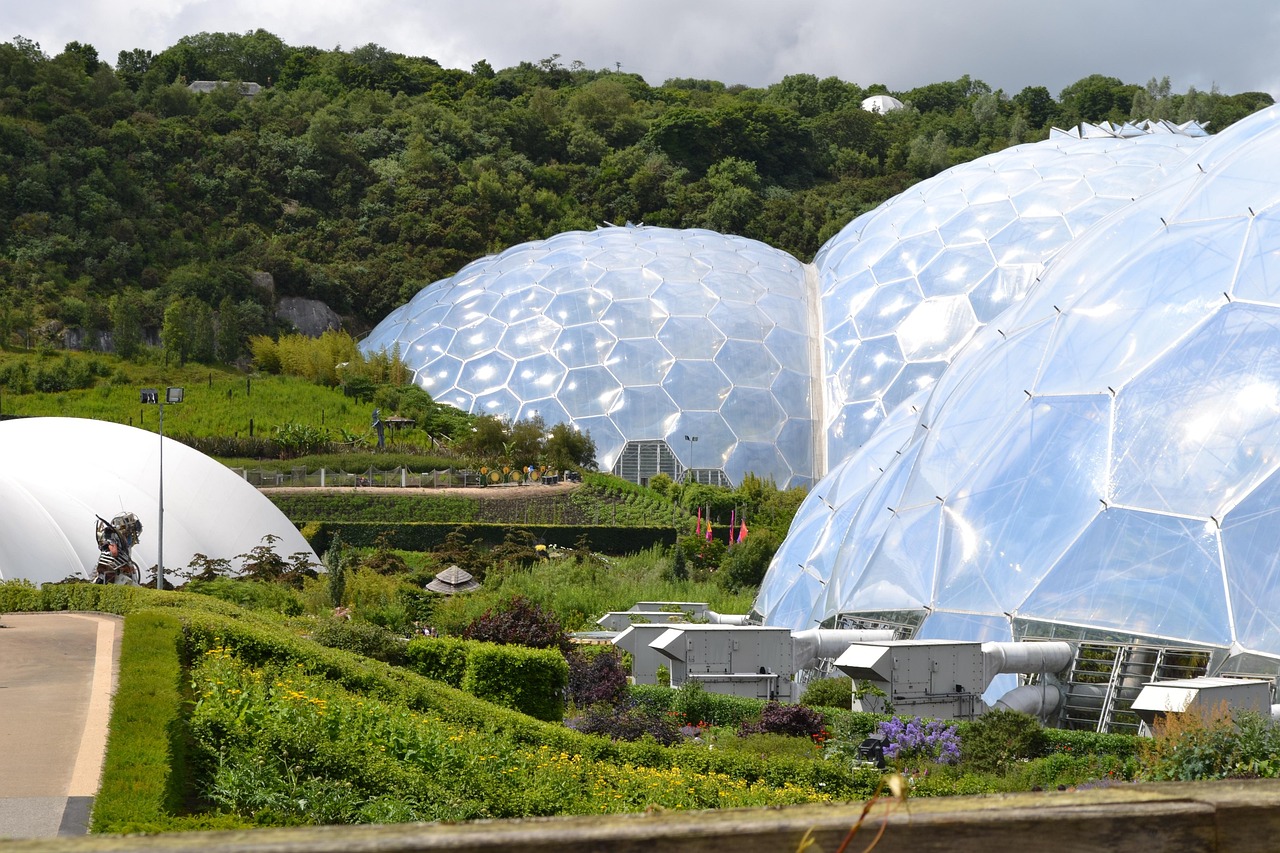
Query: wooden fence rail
{"x": 1220, "y": 817}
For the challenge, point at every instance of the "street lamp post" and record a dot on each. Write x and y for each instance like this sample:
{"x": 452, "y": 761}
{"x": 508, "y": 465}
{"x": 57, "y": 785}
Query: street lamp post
{"x": 691, "y": 439}
{"x": 171, "y": 395}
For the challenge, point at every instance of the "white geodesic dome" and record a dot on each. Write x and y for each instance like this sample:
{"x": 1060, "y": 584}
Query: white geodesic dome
{"x": 905, "y": 286}
{"x": 1104, "y": 459}
{"x": 640, "y": 336}
{"x": 59, "y": 474}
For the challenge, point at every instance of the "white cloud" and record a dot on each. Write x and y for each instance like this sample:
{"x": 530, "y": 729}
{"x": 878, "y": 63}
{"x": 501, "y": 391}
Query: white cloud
{"x": 1007, "y": 43}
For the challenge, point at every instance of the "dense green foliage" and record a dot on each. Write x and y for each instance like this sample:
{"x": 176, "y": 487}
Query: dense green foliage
{"x": 134, "y": 207}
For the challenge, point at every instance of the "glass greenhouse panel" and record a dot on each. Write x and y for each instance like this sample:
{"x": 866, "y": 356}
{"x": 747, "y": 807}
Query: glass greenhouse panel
{"x": 1251, "y": 551}
{"x": 1138, "y": 572}
{"x": 1193, "y": 433}
{"x": 1018, "y": 512}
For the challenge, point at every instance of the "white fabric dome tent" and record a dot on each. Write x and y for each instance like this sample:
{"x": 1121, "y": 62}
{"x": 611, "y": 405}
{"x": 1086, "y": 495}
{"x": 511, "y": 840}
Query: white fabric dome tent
{"x": 60, "y": 473}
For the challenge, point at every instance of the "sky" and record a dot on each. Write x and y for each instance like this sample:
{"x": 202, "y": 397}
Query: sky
{"x": 1009, "y": 44}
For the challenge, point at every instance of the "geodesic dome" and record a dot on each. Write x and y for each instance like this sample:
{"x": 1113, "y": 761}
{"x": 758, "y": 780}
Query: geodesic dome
{"x": 1103, "y": 460}
{"x": 640, "y": 336}
{"x": 59, "y": 474}
{"x": 904, "y": 286}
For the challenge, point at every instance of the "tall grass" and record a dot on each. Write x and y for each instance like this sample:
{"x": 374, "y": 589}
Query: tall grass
{"x": 579, "y": 593}
{"x": 217, "y": 401}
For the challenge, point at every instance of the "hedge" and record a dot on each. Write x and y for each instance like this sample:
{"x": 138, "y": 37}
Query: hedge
{"x": 424, "y": 536}
{"x": 387, "y": 508}
{"x": 532, "y": 681}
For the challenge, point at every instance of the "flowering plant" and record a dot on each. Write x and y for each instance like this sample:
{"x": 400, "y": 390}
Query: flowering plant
{"x": 915, "y": 741}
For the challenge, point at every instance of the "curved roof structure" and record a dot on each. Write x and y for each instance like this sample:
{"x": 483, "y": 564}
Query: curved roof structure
{"x": 638, "y": 335}
{"x": 881, "y": 104}
{"x": 59, "y": 474}
{"x": 1104, "y": 458}
{"x": 906, "y": 285}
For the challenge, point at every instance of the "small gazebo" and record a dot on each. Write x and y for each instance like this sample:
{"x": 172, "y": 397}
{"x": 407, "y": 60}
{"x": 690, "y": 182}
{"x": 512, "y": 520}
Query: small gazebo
{"x": 452, "y": 581}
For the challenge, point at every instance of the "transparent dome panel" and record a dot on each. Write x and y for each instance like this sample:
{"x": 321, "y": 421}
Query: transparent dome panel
{"x": 749, "y": 456}
{"x": 639, "y": 361}
{"x": 633, "y": 318}
{"x": 873, "y": 367}
{"x": 1118, "y": 327}
{"x": 747, "y": 364}
{"x": 685, "y": 298}
{"x": 485, "y": 373}
{"x": 907, "y": 258}
{"x": 886, "y": 307}
{"x": 1251, "y": 548}
{"x": 497, "y": 403}
{"x": 741, "y": 322}
{"x": 791, "y": 349}
{"x": 1195, "y": 433}
{"x": 1018, "y": 511}
{"x": 691, "y": 337}
{"x": 753, "y": 414}
{"x": 1259, "y": 275}
{"x": 1118, "y": 576}
{"x": 575, "y": 308}
{"x": 530, "y": 337}
{"x": 697, "y": 385}
{"x": 644, "y": 411}
{"x": 967, "y": 627}
{"x": 583, "y": 346}
{"x": 899, "y": 575}
{"x": 936, "y": 328}
{"x": 539, "y": 376}
{"x": 958, "y": 270}
{"x": 589, "y": 391}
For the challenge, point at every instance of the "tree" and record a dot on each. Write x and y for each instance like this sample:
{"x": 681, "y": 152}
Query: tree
{"x": 126, "y": 324}
{"x": 567, "y": 447}
{"x": 176, "y": 334}
{"x": 1035, "y": 104}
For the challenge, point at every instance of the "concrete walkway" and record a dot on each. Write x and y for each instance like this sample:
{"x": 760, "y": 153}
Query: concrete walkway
{"x": 57, "y": 675}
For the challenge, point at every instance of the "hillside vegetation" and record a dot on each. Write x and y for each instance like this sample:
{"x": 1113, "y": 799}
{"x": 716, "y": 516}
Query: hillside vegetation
{"x": 132, "y": 208}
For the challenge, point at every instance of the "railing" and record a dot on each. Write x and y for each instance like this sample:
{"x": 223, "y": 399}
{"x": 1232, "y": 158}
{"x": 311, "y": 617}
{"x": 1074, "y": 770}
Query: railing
{"x": 403, "y": 478}
{"x": 1214, "y": 817}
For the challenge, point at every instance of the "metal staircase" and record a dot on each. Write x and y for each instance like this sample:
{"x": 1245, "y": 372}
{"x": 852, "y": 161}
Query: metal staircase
{"x": 1106, "y": 678}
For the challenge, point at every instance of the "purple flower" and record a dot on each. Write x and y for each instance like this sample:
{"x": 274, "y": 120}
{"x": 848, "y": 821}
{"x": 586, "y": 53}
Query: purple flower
{"x": 917, "y": 740}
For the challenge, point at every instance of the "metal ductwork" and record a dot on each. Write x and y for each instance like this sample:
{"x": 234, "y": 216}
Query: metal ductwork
{"x": 1039, "y": 700}
{"x": 814, "y": 644}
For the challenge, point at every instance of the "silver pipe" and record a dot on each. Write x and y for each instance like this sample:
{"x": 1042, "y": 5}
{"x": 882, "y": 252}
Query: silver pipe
{"x": 814, "y": 643}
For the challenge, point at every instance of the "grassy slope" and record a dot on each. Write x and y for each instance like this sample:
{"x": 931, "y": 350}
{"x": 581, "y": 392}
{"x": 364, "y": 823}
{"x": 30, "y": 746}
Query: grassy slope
{"x": 217, "y": 401}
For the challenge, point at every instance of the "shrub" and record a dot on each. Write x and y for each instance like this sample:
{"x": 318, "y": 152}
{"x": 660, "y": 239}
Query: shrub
{"x": 251, "y": 595}
{"x": 531, "y": 681}
{"x": 1213, "y": 745}
{"x": 631, "y": 723}
{"x": 791, "y": 720}
{"x": 519, "y": 622}
{"x": 836, "y": 692}
{"x": 362, "y": 638}
{"x": 596, "y": 677}
{"x": 994, "y": 741}
{"x": 914, "y": 742}
{"x": 438, "y": 658}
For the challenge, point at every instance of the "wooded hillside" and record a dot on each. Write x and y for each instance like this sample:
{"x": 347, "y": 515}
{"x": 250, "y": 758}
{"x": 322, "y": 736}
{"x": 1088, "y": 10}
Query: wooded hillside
{"x": 357, "y": 177}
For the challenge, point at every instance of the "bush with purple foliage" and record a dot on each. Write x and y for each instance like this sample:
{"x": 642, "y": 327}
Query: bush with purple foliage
{"x": 596, "y": 678}
{"x": 793, "y": 720}
{"x": 519, "y": 622}
{"x": 916, "y": 742}
{"x": 627, "y": 723}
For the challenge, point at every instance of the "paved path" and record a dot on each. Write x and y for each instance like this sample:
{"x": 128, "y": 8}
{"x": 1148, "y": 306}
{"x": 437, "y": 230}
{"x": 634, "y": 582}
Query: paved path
{"x": 57, "y": 674}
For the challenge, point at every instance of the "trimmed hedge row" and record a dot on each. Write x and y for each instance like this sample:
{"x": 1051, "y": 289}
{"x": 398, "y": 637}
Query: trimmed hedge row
{"x": 531, "y": 681}
{"x": 425, "y": 536}
{"x": 375, "y": 507}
